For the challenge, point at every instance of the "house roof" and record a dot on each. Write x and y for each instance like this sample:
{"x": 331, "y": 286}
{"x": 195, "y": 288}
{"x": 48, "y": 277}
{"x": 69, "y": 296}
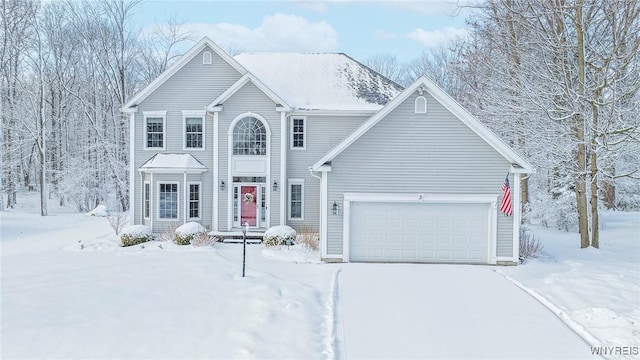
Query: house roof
{"x": 321, "y": 81}
{"x": 173, "y": 163}
{"x": 184, "y": 59}
{"x": 519, "y": 164}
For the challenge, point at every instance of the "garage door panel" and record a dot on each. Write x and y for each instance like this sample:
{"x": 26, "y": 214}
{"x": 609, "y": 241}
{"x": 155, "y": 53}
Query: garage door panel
{"x": 418, "y": 232}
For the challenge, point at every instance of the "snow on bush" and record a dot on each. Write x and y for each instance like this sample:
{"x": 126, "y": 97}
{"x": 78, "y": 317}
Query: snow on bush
{"x": 279, "y": 235}
{"x": 136, "y": 234}
{"x": 186, "y": 232}
{"x": 99, "y": 211}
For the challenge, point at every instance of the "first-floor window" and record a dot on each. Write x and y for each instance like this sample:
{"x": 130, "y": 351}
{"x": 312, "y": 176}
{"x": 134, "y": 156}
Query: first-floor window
{"x": 194, "y": 201}
{"x": 147, "y": 199}
{"x": 296, "y": 195}
{"x": 168, "y": 201}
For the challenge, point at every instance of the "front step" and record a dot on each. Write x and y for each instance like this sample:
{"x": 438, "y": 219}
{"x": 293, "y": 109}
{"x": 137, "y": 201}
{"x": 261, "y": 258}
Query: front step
{"x": 235, "y": 237}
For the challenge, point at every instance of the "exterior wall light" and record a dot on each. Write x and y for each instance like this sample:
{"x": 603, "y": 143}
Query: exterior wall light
{"x": 334, "y": 208}
{"x": 275, "y": 186}
{"x": 222, "y": 185}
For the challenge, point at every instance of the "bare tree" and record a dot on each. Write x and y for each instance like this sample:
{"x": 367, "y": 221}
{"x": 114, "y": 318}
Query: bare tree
{"x": 389, "y": 66}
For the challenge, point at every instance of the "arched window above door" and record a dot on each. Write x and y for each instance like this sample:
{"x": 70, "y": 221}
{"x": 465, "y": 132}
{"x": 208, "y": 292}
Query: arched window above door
{"x": 249, "y": 137}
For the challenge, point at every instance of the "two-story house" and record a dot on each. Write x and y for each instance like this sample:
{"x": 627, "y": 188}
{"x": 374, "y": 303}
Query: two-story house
{"x": 323, "y": 142}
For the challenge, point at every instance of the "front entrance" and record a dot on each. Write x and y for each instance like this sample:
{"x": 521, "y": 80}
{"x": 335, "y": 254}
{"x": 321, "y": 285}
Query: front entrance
{"x": 249, "y": 205}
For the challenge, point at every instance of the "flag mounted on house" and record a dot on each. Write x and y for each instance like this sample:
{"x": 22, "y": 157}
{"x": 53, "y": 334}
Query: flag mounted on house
{"x": 505, "y": 205}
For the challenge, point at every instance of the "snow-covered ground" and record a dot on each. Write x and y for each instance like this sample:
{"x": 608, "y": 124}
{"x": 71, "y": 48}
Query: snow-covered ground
{"x": 70, "y": 291}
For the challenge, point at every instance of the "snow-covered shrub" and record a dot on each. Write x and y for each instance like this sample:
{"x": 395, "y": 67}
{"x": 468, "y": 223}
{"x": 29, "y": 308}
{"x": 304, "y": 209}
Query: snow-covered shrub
{"x": 530, "y": 246}
{"x": 308, "y": 237}
{"x": 99, "y": 211}
{"x": 186, "y": 232}
{"x": 118, "y": 220}
{"x": 136, "y": 234}
{"x": 279, "y": 235}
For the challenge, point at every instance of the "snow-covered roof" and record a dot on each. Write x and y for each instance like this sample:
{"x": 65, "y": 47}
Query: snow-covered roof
{"x": 173, "y": 163}
{"x": 321, "y": 81}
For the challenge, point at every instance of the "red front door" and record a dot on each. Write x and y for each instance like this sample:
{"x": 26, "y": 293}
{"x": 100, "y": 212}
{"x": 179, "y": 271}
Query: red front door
{"x": 248, "y": 205}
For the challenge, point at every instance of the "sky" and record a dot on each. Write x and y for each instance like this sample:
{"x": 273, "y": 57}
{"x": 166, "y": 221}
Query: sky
{"x": 360, "y": 29}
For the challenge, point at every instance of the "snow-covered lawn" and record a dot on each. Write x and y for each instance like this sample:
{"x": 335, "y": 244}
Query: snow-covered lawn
{"x": 597, "y": 290}
{"x": 70, "y": 291}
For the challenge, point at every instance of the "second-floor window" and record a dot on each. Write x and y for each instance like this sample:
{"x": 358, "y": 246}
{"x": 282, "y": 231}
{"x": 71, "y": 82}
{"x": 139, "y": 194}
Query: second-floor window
{"x": 297, "y": 133}
{"x": 193, "y": 133}
{"x": 249, "y": 137}
{"x": 155, "y": 132}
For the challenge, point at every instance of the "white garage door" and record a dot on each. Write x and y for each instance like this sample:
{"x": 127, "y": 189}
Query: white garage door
{"x": 418, "y": 232}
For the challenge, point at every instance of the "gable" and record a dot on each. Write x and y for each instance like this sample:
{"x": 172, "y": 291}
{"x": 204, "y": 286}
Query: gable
{"x": 434, "y": 152}
{"x": 439, "y": 99}
{"x": 194, "y": 84}
{"x": 193, "y": 55}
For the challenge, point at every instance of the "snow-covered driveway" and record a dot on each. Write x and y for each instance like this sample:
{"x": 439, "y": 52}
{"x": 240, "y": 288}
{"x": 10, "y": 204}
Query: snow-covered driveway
{"x": 445, "y": 311}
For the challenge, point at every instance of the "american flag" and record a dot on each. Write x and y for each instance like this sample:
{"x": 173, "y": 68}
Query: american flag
{"x": 505, "y": 206}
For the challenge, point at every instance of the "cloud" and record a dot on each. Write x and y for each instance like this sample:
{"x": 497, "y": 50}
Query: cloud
{"x": 278, "y": 32}
{"x": 435, "y": 38}
{"x": 385, "y": 35}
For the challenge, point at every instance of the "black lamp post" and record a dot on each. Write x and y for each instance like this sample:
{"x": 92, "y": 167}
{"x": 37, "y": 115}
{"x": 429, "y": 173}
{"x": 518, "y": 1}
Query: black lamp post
{"x": 245, "y": 227}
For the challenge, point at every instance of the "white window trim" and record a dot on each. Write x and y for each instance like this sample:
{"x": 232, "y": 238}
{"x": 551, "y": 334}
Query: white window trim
{"x": 419, "y": 100}
{"x": 193, "y": 114}
{"x": 177, "y": 218}
{"x": 290, "y": 183}
{"x": 188, "y": 199}
{"x": 155, "y": 114}
{"x": 207, "y": 60}
{"x": 304, "y": 133}
{"x": 144, "y": 200}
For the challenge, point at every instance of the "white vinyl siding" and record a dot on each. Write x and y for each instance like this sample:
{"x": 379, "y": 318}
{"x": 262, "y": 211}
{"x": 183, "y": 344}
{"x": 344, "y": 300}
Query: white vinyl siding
{"x": 298, "y": 133}
{"x": 250, "y": 96}
{"x": 296, "y": 199}
{"x": 435, "y": 153}
{"x": 168, "y": 201}
{"x": 192, "y": 88}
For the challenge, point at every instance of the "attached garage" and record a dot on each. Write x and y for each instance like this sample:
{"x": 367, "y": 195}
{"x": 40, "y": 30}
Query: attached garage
{"x": 416, "y": 228}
